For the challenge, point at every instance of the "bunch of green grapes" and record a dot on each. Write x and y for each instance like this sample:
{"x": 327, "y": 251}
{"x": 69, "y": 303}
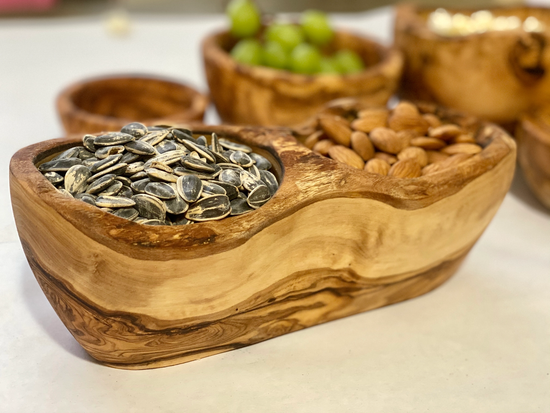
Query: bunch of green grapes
{"x": 294, "y": 47}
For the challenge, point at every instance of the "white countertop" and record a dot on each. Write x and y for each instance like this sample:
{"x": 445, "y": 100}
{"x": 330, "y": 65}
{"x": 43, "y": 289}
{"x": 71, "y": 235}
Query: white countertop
{"x": 479, "y": 343}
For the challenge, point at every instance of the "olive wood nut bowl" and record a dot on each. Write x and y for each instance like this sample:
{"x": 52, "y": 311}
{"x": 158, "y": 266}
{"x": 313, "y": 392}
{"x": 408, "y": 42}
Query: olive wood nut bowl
{"x": 257, "y": 95}
{"x": 496, "y": 75}
{"x": 533, "y": 138}
{"x": 109, "y": 103}
{"x": 332, "y": 242}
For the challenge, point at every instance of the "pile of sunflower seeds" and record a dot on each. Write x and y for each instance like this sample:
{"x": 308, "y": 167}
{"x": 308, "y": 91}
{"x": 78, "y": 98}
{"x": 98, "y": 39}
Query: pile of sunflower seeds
{"x": 163, "y": 176}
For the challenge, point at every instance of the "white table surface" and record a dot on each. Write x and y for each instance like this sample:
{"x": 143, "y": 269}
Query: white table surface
{"x": 479, "y": 343}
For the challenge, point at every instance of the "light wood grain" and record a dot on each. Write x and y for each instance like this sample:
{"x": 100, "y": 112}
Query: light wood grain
{"x": 109, "y": 103}
{"x": 533, "y": 136}
{"x": 255, "y": 95}
{"x": 494, "y": 75}
{"x": 333, "y": 241}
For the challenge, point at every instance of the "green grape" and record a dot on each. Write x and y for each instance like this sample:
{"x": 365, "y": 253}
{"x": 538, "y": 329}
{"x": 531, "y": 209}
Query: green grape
{"x": 329, "y": 66}
{"x": 248, "y": 51}
{"x": 348, "y": 61}
{"x": 316, "y": 27}
{"x": 245, "y": 18}
{"x": 288, "y": 35}
{"x": 275, "y": 55}
{"x": 305, "y": 59}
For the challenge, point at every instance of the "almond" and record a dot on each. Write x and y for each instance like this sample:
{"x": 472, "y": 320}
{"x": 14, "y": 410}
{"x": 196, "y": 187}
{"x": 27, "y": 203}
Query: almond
{"x": 387, "y": 140}
{"x": 465, "y": 138}
{"x": 455, "y": 159}
{"x": 432, "y": 120}
{"x": 323, "y": 146}
{"x": 308, "y": 127}
{"x": 433, "y": 168}
{"x": 406, "y": 116}
{"x": 436, "y": 156}
{"x": 312, "y": 139}
{"x": 361, "y": 144}
{"x": 407, "y": 168}
{"x": 417, "y": 154}
{"x": 469, "y": 148}
{"x": 369, "y": 119}
{"x": 345, "y": 155}
{"x": 336, "y": 128}
{"x": 428, "y": 143}
{"x": 390, "y": 159}
{"x": 377, "y": 166}
{"x": 445, "y": 132}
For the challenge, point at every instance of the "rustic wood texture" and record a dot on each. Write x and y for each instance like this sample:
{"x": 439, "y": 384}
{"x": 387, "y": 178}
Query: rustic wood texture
{"x": 333, "y": 241}
{"x": 494, "y": 75}
{"x": 106, "y": 104}
{"x": 533, "y": 136}
{"x": 255, "y": 95}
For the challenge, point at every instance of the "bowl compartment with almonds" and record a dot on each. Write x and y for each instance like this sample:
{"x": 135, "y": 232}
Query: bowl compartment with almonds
{"x": 407, "y": 141}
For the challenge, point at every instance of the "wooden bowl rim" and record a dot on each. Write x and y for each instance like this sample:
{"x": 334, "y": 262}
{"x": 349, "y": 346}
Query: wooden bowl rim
{"x": 408, "y": 20}
{"x": 335, "y": 180}
{"x": 66, "y": 106}
{"x": 533, "y": 122}
{"x": 389, "y": 55}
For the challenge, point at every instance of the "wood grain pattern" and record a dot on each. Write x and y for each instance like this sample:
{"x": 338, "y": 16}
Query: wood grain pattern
{"x": 533, "y": 136}
{"x": 333, "y": 241}
{"x": 494, "y": 75}
{"x": 255, "y": 95}
{"x": 109, "y": 103}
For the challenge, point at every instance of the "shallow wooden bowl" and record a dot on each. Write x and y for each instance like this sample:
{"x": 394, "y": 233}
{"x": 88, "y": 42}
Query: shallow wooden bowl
{"x": 533, "y": 136}
{"x": 256, "y": 95}
{"x": 109, "y": 103}
{"x": 333, "y": 241}
{"x": 494, "y": 75}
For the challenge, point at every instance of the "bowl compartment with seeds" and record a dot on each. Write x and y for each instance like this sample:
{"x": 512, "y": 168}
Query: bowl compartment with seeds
{"x": 490, "y": 63}
{"x": 332, "y": 241}
{"x": 162, "y": 175}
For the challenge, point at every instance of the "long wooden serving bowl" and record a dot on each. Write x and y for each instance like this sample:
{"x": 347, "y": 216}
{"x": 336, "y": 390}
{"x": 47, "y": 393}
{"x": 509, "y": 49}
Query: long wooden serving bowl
{"x": 333, "y": 241}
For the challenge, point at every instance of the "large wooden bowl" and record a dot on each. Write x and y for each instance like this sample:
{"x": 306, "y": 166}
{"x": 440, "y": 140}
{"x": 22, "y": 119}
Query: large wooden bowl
{"x": 533, "y": 136}
{"x": 494, "y": 75}
{"x": 333, "y": 241}
{"x": 109, "y": 103}
{"x": 256, "y": 95}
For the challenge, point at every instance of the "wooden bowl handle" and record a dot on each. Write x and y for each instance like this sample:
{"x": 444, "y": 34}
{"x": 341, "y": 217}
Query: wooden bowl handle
{"x": 526, "y": 58}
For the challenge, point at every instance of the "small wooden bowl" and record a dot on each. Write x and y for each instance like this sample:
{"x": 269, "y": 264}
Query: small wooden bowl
{"x": 109, "y": 103}
{"x": 256, "y": 95}
{"x": 533, "y": 136}
{"x": 333, "y": 241}
{"x": 494, "y": 75}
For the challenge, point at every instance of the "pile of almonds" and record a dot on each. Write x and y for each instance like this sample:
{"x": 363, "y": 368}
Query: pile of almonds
{"x": 402, "y": 142}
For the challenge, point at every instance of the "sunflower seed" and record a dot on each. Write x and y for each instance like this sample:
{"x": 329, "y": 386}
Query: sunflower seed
{"x": 255, "y": 172}
{"x": 215, "y": 144}
{"x": 189, "y": 187}
{"x": 166, "y": 146}
{"x": 230, "y": 190}
{"x": 197, "y": 164}
{"x": 155, "y": 137}
{"x": 113, "y": 138}
{"x": 140, "y": 148}
{"x": 124, "y": 180}
{"x": 88, "y": 142}
{"x": 239, "y": 206}
{"x": 153, "y": 222}
{"x": 106, "y": 151}
{"x": 261, "y": 162}
{"x": 160, "y": 190}
{"x": 231, "y": 177}
{"x": 75, "y": 179}
{"x": 115, "y": 169}
{"x": 176, "y": 205}
{"x": 138, "y": 176}
{"x": 161, "y": 166}
{"x": 64, "y": 192}
{"x": 112, "y": 189}
{"x": 126, "y": 191}
{"x": 105, "y": 163}
{"x": 200, "y": 149}
{"x": 157, "y": 174}
{"x": 126, "y": 213}
{"x": 270, "y": 181}
{"x": 61, "y": 165}
{"x": 201, "y": 140}
{"x": 69, "y": 153}
{"x": 129, "y": 157}
{"x": 90, "y": 161}
{"x": 135, "y": 129}
{"x": 88, "y": 198}
{"x": 134, "y": 168}
{"x": 53, "y": 177}
{"x": 182, "y": 221}
{"x": 249, "y": 181}
{"x": 139, "y": 186}
{"x": 100, "y": 184}
{"x": 241, "y": 158}
{"x": 258, "y": 196}
{"x": 210, "y": 208}
{"x": 85, "y": 154}
{"x": 150, "y": 207}
{"x": 235, "y": 146}
{"x": 107, "y": 201}
{"x": 210, "y": 188}
{"x": 167, "y": 158}
{"x": 182, "y": 135}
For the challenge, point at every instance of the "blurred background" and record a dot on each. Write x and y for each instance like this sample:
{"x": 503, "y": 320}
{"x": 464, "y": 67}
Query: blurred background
{"x": 45, "y": 8}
